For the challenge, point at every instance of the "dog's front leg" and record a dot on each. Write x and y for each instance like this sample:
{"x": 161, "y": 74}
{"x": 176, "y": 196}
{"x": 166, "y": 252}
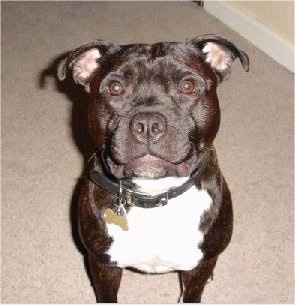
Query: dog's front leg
{"x": 195, "y": 280}
{"x": 106, "y": 280}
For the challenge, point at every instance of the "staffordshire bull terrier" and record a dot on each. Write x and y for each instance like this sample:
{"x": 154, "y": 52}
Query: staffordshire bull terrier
{"x": 154, "y": 199}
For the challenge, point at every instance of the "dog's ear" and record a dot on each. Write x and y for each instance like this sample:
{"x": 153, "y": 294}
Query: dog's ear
{"x": 220, "y": 54}
{"x": 82, "y": 62}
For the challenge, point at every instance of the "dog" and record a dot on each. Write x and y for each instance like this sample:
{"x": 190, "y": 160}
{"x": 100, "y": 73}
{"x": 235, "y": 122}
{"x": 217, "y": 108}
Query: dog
{"x": 154, "y": 198}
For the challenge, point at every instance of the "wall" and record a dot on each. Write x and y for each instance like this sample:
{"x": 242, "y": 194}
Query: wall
{"x": 269, "y": 25}
{"x": 278, "y": 16}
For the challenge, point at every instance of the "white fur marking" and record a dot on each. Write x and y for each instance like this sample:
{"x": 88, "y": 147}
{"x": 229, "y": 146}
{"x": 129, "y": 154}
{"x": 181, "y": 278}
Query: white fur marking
{"x": 162, "y": 239}
{"x": 157, "y": 186}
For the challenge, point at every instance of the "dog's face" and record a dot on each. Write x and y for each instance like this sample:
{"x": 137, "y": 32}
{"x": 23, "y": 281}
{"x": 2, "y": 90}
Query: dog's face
{"x": 153, "y": 108}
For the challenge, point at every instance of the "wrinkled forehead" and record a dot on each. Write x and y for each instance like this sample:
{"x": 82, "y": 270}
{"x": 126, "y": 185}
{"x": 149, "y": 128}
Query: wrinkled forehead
{"x": 156, "y": 50}
{"x": 160, "y": 58}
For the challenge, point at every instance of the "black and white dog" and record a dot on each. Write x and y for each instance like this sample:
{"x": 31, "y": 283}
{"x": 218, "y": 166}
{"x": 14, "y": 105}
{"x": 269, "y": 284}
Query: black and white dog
{"x": 155, "y": 199}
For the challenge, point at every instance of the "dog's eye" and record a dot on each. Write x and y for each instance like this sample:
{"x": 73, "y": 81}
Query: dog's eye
{"x": 115, "y": 88}
{"x": 188, "y": 86}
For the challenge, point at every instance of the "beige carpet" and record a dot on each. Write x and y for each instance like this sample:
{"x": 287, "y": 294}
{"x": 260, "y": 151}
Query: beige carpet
{"x": 44, "y": 139}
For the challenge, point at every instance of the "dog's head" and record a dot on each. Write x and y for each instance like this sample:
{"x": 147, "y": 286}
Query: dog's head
{"x": 153, "y": 107}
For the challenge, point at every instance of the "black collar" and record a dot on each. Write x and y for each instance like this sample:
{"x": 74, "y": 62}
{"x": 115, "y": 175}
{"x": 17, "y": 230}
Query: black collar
{"x": 126, "y": 193}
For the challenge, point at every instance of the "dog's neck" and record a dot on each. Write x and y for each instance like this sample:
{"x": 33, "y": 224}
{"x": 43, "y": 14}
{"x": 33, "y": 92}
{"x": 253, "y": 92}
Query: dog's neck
{"x": 149, "y": 193}
{"x": 157, "y": 186}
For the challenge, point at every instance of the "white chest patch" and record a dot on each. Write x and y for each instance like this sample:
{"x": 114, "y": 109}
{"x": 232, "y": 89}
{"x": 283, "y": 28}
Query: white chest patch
{"x": 161, "y": 239}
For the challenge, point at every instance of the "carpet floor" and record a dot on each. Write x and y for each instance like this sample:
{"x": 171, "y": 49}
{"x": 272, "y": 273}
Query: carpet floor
{"x": 45, "y": 143}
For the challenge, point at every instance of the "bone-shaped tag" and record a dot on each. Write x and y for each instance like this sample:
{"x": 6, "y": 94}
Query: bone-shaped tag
{"x": 112, "y": 217}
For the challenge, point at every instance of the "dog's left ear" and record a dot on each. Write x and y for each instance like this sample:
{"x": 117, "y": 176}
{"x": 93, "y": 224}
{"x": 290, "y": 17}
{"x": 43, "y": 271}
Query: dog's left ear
{"x": 82, "y": 62}
{"x": 220, "y": 54}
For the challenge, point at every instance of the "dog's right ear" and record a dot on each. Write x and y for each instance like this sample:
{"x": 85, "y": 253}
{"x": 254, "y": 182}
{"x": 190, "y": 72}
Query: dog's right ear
{"x": 82, "y": 62}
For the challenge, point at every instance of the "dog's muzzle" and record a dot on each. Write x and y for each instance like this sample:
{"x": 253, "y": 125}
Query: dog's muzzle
{"x": 150, "y": 145}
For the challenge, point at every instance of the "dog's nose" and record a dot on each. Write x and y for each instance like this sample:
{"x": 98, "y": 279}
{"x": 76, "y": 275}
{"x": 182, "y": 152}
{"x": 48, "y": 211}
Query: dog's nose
{"x": 148, "y": 127}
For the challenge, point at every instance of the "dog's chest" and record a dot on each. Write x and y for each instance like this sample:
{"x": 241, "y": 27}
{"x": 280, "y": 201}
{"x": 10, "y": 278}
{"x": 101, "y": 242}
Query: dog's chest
{"x": 161, "y": 239}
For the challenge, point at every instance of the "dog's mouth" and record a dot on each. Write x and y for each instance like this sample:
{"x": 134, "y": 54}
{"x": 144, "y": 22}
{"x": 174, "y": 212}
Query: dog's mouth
{"x": 149, "y": 166}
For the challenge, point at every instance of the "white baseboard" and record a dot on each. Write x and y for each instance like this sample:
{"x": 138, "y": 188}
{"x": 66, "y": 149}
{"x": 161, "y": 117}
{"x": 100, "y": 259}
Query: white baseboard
{"x": 255, "y": 32}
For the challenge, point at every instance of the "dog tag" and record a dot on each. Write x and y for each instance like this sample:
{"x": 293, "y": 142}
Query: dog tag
{"x": 116, "y": 218}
